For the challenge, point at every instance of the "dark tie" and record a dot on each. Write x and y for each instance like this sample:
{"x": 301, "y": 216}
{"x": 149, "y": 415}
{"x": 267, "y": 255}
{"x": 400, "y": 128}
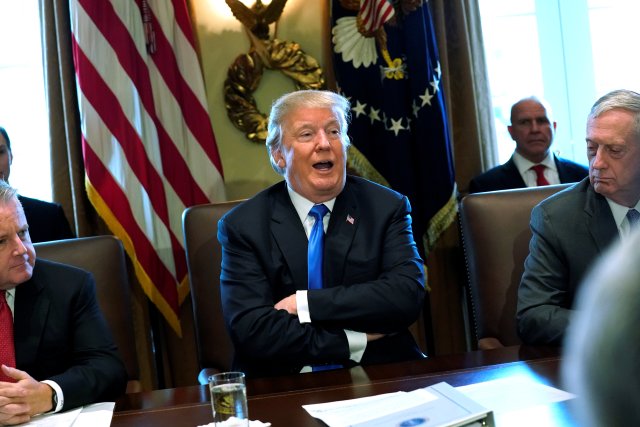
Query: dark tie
{"x": 7, "y": 350}
{"x": 633, "y": 216}
{"x": 539, "y": 170}
{"x": 316, "y": 246}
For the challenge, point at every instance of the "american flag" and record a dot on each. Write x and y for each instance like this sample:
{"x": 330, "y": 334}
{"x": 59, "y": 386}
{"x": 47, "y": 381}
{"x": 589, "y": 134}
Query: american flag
{"x": 149, "y": 149}
{"x": 374, "y": 13}
{"x": 399, "y": 120}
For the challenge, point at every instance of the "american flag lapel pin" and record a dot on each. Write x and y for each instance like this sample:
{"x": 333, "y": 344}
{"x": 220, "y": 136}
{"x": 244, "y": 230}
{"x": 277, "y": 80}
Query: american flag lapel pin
{"x": 350, "y": 219}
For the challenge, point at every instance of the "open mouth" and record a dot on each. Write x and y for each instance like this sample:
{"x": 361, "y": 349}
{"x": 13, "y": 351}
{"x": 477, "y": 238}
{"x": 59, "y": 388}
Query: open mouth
{"x": 323, "y": 165}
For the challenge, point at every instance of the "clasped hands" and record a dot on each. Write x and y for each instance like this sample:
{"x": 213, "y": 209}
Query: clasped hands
{"x": 21, "y": 400}
{"x": 290, "y": 305}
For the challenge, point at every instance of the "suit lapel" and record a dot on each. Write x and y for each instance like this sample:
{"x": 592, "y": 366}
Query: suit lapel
{"x": 512, "y": 176}
{"x": 562, "y": 172}
{"x": 343, "y": 224}
{"x": 601, "y": 223}
{"x": 289, "y": 234}
{"x": 31, "y": 312}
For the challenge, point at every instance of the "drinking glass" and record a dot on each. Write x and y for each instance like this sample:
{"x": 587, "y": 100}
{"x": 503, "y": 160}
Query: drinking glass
{"x": 229, "y": 398}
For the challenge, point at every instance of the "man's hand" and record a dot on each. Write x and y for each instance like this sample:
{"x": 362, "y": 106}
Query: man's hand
{"x": 23, "y": 399}
{"x": 373, "y": 337}
{"x": 289, "y": 304}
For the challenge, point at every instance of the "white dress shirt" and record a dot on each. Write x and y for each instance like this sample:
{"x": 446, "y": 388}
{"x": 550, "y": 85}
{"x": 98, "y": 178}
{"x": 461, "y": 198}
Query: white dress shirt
{"x": 529, "y": 176}
{"x": 620, "y": 216}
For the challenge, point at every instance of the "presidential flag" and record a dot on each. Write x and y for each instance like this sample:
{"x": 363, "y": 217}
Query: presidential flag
{"x": 148, "y": 145}
{"x": 386, "y": 63}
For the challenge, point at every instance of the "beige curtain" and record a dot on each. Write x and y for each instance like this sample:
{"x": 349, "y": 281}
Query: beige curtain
{"x": 64, "y": 130}
{"x": 466, "y": 87}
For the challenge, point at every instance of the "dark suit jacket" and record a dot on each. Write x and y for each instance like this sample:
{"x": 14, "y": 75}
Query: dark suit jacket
{"x": 570, "y": 230}
{"x": 61, "y": 335}
{"x": 46, "y": 220}
{"x": 373, "y": 280}
{"x": 506, "y": 176}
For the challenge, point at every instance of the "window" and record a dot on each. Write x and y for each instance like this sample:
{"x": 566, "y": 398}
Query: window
{"x": 23, "y": 110}
{"x": 570, "y": 52}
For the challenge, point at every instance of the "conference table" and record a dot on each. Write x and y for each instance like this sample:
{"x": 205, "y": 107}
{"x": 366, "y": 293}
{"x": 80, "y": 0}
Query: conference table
{"x": 279, "y": 400}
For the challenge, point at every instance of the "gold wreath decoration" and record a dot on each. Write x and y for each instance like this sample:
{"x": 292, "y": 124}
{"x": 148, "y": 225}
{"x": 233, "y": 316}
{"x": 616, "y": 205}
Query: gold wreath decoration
{"x": 244, "y": 76}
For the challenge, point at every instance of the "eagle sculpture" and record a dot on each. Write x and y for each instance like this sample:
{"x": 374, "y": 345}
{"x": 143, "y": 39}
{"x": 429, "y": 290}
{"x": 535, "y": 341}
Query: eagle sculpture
{"x": 258, "y": 17}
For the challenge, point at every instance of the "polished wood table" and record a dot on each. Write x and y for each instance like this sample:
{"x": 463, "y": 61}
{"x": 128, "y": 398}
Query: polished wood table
{"x": 279, "y": 400}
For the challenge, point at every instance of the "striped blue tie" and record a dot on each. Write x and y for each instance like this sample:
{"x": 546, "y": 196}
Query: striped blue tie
{"x": 633, "y": 216}
{"x": 316, "y": 246}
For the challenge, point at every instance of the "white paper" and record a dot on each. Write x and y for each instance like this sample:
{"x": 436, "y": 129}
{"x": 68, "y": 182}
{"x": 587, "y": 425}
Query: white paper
{"x": 344, "y": 413}
{"x": 95, "y": 415}
{"x": 513, "y": 393}
{"x": 518, "y": 400}
{"x": 509, "y": 398}
{"x": 233, "y": 421}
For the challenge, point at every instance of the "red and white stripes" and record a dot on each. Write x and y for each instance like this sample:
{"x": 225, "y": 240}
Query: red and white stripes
{"x": 374, "y": 13}
{"x": 148, "y": 144}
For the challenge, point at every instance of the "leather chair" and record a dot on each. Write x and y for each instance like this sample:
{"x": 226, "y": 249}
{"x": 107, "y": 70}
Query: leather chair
{"x": 495, "y": 238}
{"x": 103, "y": 256}
{"x": 204, "y": 255}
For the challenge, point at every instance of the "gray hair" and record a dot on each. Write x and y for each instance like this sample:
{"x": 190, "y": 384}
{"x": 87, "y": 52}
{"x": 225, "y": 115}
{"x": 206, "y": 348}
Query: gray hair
{"x": 618, "y": 99}
{"x": 290, "y": 102}
{"x": 7, "y": 192}
{"x": 601, "y": 361}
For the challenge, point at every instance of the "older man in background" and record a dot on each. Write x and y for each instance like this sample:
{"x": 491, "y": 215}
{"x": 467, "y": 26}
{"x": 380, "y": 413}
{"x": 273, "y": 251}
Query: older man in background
{"x": 532, "y": 163}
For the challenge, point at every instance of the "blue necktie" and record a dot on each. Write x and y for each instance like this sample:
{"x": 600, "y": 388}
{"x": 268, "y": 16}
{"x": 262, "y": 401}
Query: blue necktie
{"x": 633, "y": 216}
{"x": 316, "y": 246}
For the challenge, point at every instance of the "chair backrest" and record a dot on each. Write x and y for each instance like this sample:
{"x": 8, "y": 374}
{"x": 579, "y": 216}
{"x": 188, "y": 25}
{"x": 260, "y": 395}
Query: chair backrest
{"x": 103, "y": 256}
{"x": 204, "y": 255}
{"x": 495, "y": 236}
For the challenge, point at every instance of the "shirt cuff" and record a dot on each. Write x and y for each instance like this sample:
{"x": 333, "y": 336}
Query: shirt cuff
{"x": 58, "y": 391}
{"x": 357, "y": 344}
{"x": 303, "y": 307}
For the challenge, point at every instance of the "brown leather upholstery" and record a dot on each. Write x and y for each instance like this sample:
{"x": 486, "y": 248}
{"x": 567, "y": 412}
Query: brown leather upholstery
{"x": 204, "y": 254}
{"x": 103, "y": 256}
{"x": 495, "y": 237}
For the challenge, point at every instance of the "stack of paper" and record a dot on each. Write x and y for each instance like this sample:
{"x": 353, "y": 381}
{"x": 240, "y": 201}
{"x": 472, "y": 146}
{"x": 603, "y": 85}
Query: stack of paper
{"x": 438, "y": 405}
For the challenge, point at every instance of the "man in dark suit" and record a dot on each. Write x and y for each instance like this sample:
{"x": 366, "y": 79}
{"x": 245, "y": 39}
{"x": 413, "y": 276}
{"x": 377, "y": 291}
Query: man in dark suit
{"x": 532, "y": 130}
{"x": 572, "y": 228}
{"x": 47, "y": 221}
{"x": 62, "y": 349}
{"x": 372, "y": 284}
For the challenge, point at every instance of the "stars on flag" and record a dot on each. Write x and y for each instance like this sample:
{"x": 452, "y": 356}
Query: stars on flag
{"x": 398, "y": 124}
{"x": 359, "y": 109}
{"x": 374, "y": 115}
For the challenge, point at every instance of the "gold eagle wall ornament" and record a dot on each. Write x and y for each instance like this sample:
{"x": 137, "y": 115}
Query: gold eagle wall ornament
{"x": 244, "y": 75}
{"x": 258, "y": 17}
